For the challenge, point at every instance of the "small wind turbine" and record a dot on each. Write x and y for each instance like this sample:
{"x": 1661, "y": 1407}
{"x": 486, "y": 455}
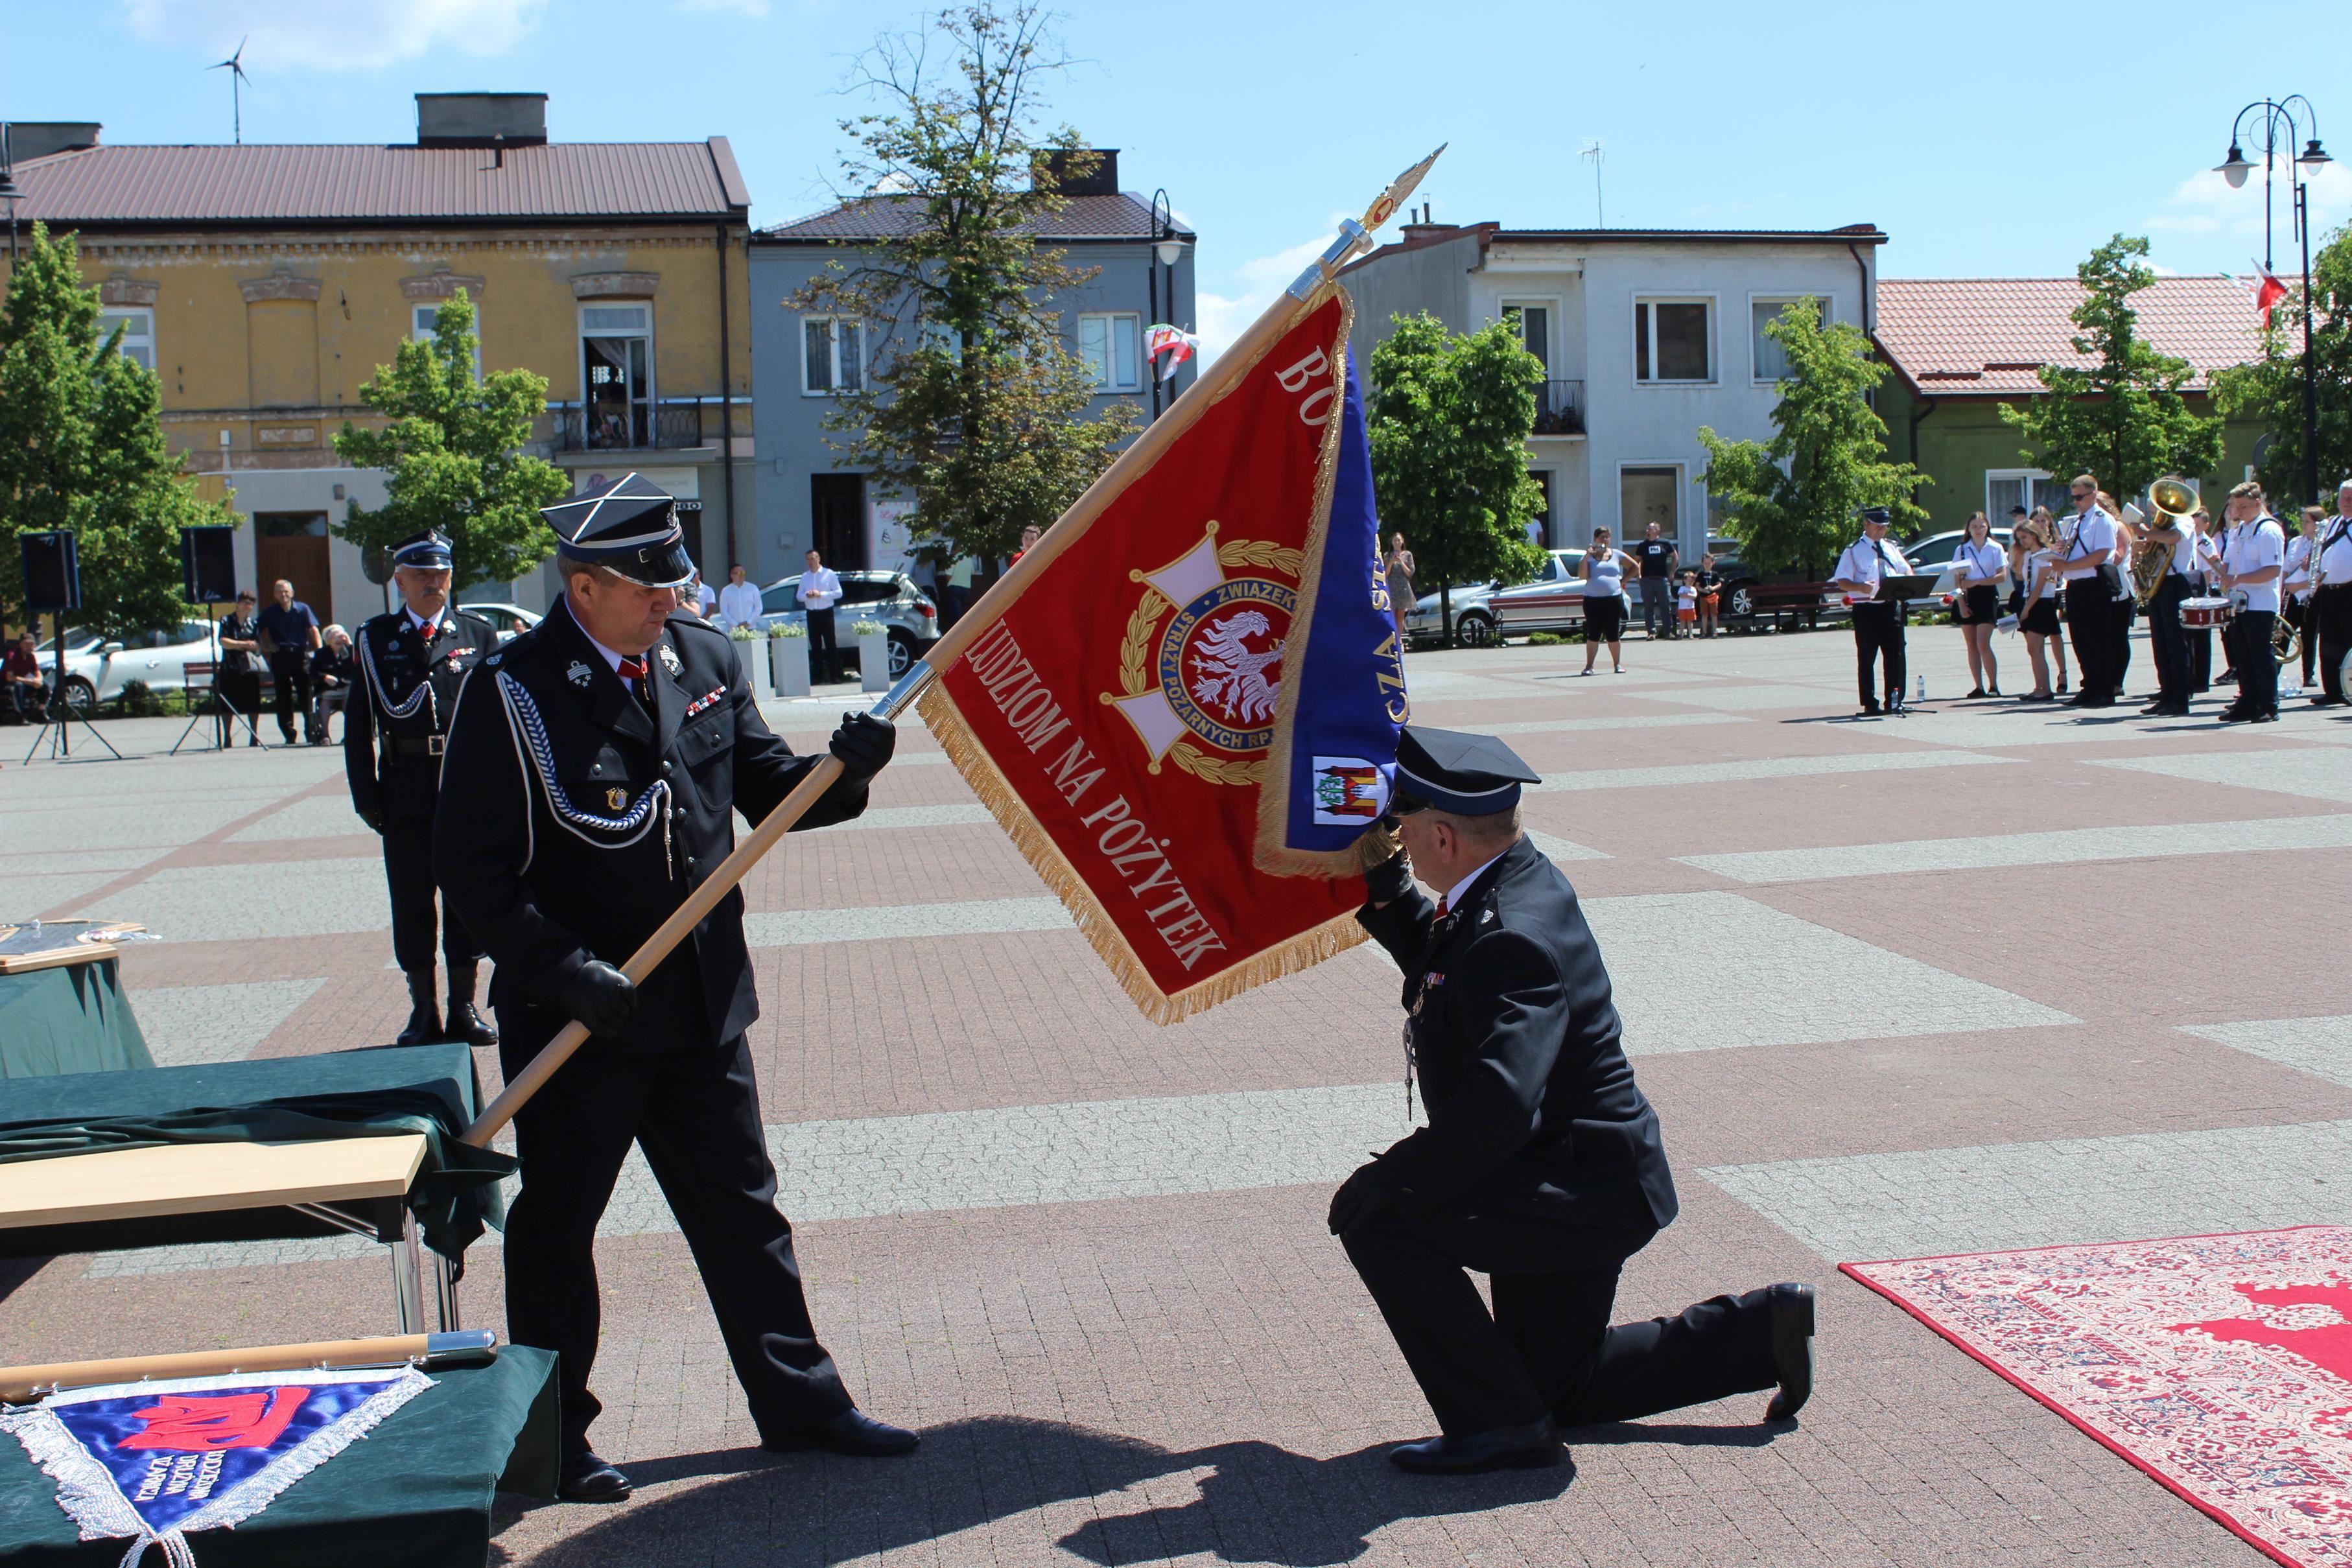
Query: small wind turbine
{"x": 237, "y": 79}
{"x": 1593, "y": 152}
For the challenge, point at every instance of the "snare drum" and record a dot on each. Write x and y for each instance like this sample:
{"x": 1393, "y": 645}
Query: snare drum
{"x": 2204, "y": 614}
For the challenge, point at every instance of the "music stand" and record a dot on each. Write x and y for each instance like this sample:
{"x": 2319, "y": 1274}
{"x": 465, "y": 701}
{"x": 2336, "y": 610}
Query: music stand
{"x": 1897, "y": 592}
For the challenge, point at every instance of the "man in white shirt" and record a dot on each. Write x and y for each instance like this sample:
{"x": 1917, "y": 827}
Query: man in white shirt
{"x": 738, "y": 603}
{"x": 2252, "y": 559}
{"x": 820, "y": 590}
{"x": 2089, "y": 601}
{"x": 2331, "y": 601}
{"x": 1877, "y": 623}
{"x": 2168, "y": 638}
{"x": 2295, "y": 585}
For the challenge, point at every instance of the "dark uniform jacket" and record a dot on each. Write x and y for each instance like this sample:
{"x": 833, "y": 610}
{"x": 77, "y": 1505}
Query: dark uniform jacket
{"x": 573, "y": 821}
{"x": 1532, "y": 1105}
{"x": 406, "y": 694}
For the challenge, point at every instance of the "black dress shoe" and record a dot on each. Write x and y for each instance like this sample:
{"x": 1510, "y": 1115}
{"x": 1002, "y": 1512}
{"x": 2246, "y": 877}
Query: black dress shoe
{"x": 587, "y": 1478}
{"x": 1792, "y": 1350}
{"x": 1870, "y": 710}
{"x": 2329, "y": 702}
{"x": 2271, "y": 717}
{"x": 2234, "y": 715}
{"x": 1530, "y": 1447}
{"x": 852, "y": 1432}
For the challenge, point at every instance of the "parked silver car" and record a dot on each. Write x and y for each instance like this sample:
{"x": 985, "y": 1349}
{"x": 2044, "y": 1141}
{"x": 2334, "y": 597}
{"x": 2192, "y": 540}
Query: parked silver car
{"x": 97, "y": 669}
{"x": 1553, "y": 600}
{"x": 889, "y": 597}
{"x": 504, "y": 617}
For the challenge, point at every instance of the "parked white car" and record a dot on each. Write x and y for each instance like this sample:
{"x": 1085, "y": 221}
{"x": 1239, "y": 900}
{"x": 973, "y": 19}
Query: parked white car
{"x": 97, "y": 671}
{"x": 504, "y": 617}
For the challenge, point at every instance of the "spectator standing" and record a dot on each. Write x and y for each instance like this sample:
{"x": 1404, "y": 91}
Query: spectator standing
{"x": 1398, "y": 566}
{"x": 21, "y": 672}
{"x": 1686, "y": 604}
{"x": 1029, "y": 538}
{"x": 1978, "y": 569}
{"x": 236, "y": 685}
{"x": 958, "y": 592}
{"x": 289, "y": 636}
{"x": 706, "y": 598}
{"x": 738, "y": 603}
{"x": 820, "y": 590}
{"x": 331, "y": 682}
{"x": 1710, "y": 596}
{"x": 1605, "y": 568}
{"x": 1657, "y": 560}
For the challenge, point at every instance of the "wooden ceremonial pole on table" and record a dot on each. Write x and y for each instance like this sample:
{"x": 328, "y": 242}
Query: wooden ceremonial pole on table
{"x": 19, "y": 1383}
{"x": 1146, "y": 450}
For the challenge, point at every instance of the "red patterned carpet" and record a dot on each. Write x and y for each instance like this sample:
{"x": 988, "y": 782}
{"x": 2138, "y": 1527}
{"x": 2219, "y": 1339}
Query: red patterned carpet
{"x": 2220, "y": 1364}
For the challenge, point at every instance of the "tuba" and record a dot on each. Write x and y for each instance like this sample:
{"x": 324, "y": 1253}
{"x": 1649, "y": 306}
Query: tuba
{"x": 2173, "y": 502}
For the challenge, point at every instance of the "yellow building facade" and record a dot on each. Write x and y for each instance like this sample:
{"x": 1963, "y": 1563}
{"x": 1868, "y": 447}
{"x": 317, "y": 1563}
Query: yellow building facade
{"x": 266, "y": 284}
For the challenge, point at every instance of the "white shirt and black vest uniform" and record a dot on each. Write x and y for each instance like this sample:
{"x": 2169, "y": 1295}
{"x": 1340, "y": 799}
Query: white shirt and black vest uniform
{"x": 2090, "y": 606}
{"x": 2295, "y": 594}
{"x": 2252, "y": 547}
{"x": 2330, "y": 626}
{"x": 2176, "y": 674}
{"x": 1877, "y": 624}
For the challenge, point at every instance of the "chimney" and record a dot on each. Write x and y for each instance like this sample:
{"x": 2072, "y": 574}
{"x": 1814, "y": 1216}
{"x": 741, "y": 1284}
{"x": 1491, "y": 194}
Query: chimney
{"x": 29, "y": 138}
{"x": 1102, "y": 179}
{"x": 500, "y": 120}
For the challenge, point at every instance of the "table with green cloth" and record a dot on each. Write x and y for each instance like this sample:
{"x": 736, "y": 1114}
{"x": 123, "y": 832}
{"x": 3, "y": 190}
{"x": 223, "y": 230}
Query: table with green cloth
{"x": 415, "y": 1492}
{"x": 72, "y": 1018}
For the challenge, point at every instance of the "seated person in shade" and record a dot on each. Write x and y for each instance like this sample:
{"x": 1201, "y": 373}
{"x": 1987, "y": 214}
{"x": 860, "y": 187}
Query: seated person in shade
{"x": 331, "y": 680}
{"x": 20, "y": 674}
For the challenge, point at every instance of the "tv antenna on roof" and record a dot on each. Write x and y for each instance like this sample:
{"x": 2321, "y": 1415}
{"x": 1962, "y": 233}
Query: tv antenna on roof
{"x": 237, "y": 79}
{"x": 1592, "y": 152}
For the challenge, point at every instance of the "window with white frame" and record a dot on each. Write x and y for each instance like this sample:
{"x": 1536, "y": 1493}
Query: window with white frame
{"x": 833, "y": 355}
{"x": 1532, "y": 324}
{"x": 616, "y": 374}
{"x": 138, "y": 324}
{"x": 424, "y": 319}
{"x": 1674, "y": 340}
{"x": 1769, "y": 360}
{"x": 1111, "y": 344}
{"x": 2027, "y": 488}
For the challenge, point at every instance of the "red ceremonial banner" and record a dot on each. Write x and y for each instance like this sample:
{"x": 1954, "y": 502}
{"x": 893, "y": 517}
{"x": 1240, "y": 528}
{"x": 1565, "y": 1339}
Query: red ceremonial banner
{"x": 1118, "y": 715}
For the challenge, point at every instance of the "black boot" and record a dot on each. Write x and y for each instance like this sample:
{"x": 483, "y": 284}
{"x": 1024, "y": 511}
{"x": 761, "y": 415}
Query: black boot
{"x": 465, "y": 1023}
{"x": 424, "y": 1019}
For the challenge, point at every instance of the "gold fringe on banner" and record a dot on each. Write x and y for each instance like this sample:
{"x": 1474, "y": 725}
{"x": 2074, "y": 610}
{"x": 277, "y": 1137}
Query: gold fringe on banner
{"x": 1303, "y": 951}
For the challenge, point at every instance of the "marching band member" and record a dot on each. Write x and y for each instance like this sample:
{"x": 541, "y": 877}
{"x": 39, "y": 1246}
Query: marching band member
{"x": 1978, "y": 568}
{"x": 2200, "y": 640}
{"x": 1877, "y": 625}
{"x": 411, "y": 663}
{"x": 2295, "y": 585}
{"x": 2252, "y": 558}
{"x": 1541, "y": 1165}
{"x": 2090, "y": 545}
{"x": 2331, "y": 605}
{"x": 2121, "y": 608}
{"x": 595, "y": 771}
{"x": 2166, "y": 637}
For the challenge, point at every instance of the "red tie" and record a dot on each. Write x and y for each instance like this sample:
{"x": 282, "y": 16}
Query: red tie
{"x": 429, "y": 629}
{"x": 1443, "y": 906}
{"x": 633, "y": 671}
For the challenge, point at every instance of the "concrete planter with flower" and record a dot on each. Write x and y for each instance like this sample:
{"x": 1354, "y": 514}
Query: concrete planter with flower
{"x": 788, "y": 654}
{"x": 757, "y": 668}
{"x": 873, "y": 655}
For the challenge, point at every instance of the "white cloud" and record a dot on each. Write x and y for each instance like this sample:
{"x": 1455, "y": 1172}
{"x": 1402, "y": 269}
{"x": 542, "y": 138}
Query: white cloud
{"x": 333, "y": 34}
{"x": 753, "y": 9}
{"x": 2205, "y": 204}
{"x": 1226, "y": 317}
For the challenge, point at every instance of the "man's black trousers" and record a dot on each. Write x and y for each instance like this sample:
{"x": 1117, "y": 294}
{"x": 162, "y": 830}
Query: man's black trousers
{"x": 2121, "y": 613}
{"x": 291, "y": 671}
{"x": 1878, "y": 635}
{"x": 824, "y": 654}
{"x": 408, "y": 877}
{"x": 2087, "y": 606}
{"x": 2331, "y": 621}
{"x": 696, "y": 1115}
{"x": 2169, "y": 640}
{"x": 1548, "y": 1347}
{"x": 2250, "y": 634}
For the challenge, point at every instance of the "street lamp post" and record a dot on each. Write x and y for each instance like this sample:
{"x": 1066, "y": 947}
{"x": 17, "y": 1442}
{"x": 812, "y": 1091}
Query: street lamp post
{"x": 2302, "y": 168}
{"x": 1162, "y": 226}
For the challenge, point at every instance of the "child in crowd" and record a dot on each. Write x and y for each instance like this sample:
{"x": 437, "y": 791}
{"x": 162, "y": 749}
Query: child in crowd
{"x": 1686, "y": 605}
{"x": 1710, "y": 596}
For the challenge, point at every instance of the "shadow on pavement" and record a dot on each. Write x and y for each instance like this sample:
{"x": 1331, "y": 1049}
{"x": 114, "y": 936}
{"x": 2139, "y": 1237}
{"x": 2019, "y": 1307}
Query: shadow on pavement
{"x": 1258, "y": 1503}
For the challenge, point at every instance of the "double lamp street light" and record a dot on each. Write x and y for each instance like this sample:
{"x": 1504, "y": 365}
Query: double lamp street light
{"x": 2302, "y": 168}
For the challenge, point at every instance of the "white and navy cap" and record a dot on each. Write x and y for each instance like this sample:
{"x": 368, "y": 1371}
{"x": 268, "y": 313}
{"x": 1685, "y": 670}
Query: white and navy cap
{"x": 629, "y": 527}
{"x": 1453, "y": 770}
{"x": 427, "y": 550}
{"x": 1879, "y": 514}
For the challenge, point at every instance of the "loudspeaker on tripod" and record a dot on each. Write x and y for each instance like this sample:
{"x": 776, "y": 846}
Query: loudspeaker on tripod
{"x": 208, "y": 564}
{"x": 52, "y": 571}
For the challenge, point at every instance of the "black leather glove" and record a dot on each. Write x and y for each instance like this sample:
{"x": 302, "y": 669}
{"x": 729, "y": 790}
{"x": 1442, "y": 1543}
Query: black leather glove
{"x": 864, "y": 743}
{"x": 1361, "y": 1197}
{"x": 600, "y": 997}
{"x": 1391, "y": 880}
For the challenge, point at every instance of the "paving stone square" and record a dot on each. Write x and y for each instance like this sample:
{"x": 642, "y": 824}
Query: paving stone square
{"x": 1990, "y": 977}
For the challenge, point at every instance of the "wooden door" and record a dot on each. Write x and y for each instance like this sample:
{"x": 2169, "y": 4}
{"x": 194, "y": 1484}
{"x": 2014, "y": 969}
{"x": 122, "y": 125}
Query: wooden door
{"x": 294, "y": 546}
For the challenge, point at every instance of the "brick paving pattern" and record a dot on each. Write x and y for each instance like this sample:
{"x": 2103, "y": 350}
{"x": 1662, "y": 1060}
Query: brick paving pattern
{"x": 1988, "y": 976}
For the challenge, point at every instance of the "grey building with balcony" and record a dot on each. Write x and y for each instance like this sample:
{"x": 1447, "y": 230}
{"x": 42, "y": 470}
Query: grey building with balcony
{"x": 1645, "y": 335}
{"x": 807, "y": 493}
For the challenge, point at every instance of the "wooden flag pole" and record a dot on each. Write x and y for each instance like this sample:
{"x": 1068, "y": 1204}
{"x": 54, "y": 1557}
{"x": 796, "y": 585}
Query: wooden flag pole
{"x": 1140, "y": 454}
{"x": 19, "y": 1383}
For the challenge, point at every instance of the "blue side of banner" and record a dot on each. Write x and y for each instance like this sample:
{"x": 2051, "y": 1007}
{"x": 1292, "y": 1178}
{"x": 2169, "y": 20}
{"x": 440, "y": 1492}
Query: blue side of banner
{"x": 1349, "y": 670}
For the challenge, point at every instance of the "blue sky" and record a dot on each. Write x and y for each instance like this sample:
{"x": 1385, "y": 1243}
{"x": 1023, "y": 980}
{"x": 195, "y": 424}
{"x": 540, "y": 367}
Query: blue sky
{"x": 1994, "y": 139}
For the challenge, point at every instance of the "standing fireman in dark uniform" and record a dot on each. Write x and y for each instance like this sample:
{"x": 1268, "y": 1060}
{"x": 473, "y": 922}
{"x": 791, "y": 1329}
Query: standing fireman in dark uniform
{"x": 595, "y": 770}
{"x": 1541, "y": 1165}
{"x": 1877, "y": 622}
{"x": 411, "y": 663}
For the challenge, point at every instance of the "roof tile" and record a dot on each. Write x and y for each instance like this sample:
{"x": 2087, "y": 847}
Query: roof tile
{"x": 1989, "y": 336}
{"x": 1123, "y": 216}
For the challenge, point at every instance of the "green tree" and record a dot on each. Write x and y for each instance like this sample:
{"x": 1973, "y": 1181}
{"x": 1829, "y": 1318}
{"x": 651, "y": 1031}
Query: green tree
{"x": 452, "y": 444}
{"x": 81, "y": 447}
{"x": 2269, "y": 389}
{"x": 1449, "y": 419}
{"x": 1791, "y": 500}
{"x": 972, "y": 406}
{"x": 2122, "y": 418}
